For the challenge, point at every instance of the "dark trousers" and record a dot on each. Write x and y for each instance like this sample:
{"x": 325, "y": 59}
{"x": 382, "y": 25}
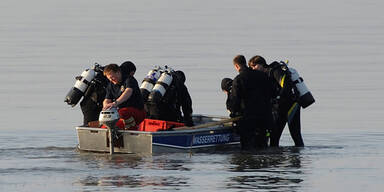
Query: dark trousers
{"x": 293, "y": 119}
{"x": 252, "y": 133}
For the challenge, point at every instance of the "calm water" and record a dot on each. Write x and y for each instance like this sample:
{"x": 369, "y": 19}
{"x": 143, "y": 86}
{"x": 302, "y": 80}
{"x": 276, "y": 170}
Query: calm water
{"x": 336, "y": 46}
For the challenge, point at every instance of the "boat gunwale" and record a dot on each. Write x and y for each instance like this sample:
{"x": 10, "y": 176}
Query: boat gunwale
{"x": 159, "y": 133}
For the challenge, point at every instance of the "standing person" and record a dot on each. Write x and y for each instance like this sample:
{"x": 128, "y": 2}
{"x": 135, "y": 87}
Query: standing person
{"x": 123, "y": 92}
{"x": 250, "y": 98}
{"x": 286, "y": 107}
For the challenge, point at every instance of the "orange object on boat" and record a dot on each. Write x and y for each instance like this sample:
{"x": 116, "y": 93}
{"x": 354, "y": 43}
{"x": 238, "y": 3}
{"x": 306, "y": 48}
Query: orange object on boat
{"x": 153, "y": 125}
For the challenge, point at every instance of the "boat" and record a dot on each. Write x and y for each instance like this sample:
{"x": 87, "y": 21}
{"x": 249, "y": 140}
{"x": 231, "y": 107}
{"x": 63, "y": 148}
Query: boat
{"x": 209, "y": 133}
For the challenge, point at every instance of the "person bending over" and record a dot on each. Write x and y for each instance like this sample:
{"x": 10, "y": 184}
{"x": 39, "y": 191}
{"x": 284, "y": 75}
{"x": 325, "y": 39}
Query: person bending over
{"x": 285, "y": 107}
{"x": 123, "y": 92}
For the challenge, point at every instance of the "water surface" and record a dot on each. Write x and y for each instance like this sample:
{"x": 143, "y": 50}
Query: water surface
{"x": 335, "y": 45}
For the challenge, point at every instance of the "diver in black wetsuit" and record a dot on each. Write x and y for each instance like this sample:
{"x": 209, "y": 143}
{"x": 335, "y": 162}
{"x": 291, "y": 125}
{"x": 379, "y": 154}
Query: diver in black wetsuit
{"x": 175, "y": 105}
{"x": 250, "y": 98}
{"x": 184, "y": 100}
{"x": 92, "y": 102}
{"x": 286, "y": 107}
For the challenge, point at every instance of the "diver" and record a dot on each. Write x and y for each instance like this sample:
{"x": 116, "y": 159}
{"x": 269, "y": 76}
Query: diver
{"x": 91, "y": 86}
{"x": 92, "y": 103}
{"x": 166, "y": 97}
{"x": 250, "y": 98}
{"x": 184, "y": 100}
{"x": 292, "y": 95}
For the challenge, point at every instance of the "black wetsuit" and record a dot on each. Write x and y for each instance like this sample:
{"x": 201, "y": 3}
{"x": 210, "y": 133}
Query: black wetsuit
{"x": 251, "y": 98}
{"x": 92, "y": 103}
{"x": 287, "y": 109}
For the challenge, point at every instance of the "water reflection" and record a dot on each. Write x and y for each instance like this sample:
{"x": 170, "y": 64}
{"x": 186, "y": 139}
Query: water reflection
{"x": 167, "y": 163}
{"x": 117, "y": 161}
{"x": 131, "y": 171}
{"x": 134, "y": 181}
{"x": 277, "y": 169}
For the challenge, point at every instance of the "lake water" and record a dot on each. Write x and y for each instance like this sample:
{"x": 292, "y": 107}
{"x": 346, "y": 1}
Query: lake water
{"x": 337, "y": 47}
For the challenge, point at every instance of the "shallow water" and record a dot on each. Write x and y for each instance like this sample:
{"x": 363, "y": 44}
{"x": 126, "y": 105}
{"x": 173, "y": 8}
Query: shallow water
{"x": 335, "y": 45}
{"x": 330, "y": 162}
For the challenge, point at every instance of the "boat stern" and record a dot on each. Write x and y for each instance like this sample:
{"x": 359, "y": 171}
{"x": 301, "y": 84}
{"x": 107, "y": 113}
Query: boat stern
{"x": 97, "y": 140}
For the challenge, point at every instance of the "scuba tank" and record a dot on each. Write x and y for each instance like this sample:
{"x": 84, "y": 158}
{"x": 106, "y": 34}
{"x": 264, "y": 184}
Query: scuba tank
{"x": 81, "y": 85}
{"x": 305, "y": 98}
{"x": 161, "y": 86}
{"x": 149, "y": 82}
{"x": 284, "y": 74}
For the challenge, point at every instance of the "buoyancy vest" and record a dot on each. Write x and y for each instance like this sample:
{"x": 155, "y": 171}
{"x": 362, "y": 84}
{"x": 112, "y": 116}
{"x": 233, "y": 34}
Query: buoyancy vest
{"x": 289, "y": 80}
